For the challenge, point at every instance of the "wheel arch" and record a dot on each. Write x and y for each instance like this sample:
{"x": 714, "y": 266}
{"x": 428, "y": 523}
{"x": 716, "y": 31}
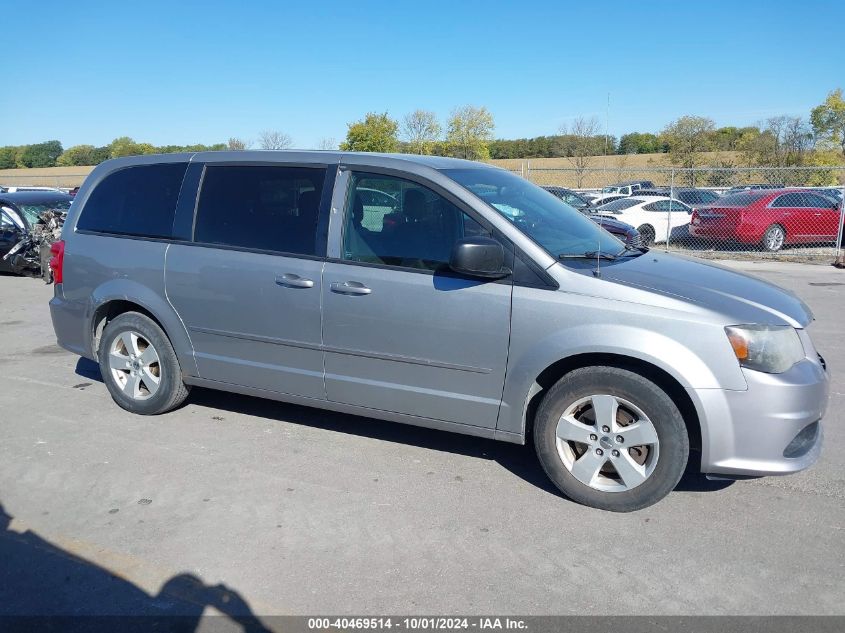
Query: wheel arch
{"x": 108, "y": 306}
{"x": 662, "y": 378}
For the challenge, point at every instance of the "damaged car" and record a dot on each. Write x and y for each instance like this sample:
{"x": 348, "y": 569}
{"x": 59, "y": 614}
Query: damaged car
{"x": 30, "y": 221}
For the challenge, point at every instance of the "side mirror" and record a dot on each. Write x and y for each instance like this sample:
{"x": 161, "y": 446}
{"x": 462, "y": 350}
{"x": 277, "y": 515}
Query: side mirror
{"x": 479, "y": 257}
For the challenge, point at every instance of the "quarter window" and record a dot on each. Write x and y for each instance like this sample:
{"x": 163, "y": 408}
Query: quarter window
{"x": 397, "y": 222}
{"x": 139, "y": 200}
{"x": 260, "y": 207}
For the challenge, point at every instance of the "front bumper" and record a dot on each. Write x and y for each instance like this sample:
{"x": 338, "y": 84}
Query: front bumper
{"x": 772, "y": 428}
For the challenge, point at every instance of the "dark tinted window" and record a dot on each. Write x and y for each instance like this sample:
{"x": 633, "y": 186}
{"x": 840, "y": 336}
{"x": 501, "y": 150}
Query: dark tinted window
{"x": 742, "y": 199}
{"x": 397, "y": 222}
{"x": 620, "y": 204}
{"x": 261, "y": 207}
{"x": 137, "y": 200}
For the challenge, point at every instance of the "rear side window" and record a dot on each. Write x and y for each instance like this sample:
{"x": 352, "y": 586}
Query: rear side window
{"x": 260, "y": 207}
{"x": 138, "y": 200}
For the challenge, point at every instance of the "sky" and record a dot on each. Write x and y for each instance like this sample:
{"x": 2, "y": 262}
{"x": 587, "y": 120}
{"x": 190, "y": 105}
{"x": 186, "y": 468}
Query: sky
{"x": 181, "y": 72}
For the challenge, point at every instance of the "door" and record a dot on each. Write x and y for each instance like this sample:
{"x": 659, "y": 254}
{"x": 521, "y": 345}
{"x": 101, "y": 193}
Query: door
{"x": 248, "y": 289}
{"x": 824, "y": 218}
{"x": 401, "y": 332}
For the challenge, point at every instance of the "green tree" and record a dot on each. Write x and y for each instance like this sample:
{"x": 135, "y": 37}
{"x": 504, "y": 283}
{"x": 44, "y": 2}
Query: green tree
{"x": 639, "y": 143}
{"x": 78, "y": 155}
{"x": 828, "y": 120}
{"x": 126, "y": 146}
{"x": 374, "y": 133}
{"x": 420, "y": 129}
{"x": 687, "y": 138}
{"x": 469, "y": 132}
{"x": 8, "y": 157}
{"x": 41, "y": 154}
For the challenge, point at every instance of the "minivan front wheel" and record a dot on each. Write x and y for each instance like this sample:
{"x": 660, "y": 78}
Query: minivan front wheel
{"x": 611, "y": 439}
{"x": 139, "y": 366}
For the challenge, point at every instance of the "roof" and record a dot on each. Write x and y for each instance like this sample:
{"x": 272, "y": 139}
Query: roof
{"x": 317, "y": 156}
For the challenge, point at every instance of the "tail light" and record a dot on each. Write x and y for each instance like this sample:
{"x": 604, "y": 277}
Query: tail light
{"x": 694, "y": 219}
{"x": 57, "y": 261}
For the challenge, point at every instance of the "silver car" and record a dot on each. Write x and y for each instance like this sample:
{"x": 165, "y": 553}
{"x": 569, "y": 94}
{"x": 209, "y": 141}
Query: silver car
{"x": 437, "y": 292}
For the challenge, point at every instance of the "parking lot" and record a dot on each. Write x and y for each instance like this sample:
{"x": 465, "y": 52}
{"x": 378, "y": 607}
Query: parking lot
{"x": 301, "y": 511}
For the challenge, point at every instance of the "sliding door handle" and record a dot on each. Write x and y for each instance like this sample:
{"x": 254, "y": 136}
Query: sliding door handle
{"x": 350, "y": 288}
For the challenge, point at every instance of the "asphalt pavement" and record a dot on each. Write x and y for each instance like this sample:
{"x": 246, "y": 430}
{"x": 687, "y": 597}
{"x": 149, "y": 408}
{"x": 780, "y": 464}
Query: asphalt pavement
{"x": 250, "y": 506}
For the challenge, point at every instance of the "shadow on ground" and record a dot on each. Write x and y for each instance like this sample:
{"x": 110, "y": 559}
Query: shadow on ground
{"x": 38, "y": 578}
{"x": 519, "y": 460}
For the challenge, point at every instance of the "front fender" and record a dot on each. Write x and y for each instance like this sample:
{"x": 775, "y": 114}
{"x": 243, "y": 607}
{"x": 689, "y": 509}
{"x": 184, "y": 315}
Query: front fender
{"x": 527, "y": 362}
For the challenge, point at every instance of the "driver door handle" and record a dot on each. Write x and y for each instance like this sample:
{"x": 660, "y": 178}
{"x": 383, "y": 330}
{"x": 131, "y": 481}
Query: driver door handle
{"x": 292, "y": 280}
{"x": 350, "y": 288}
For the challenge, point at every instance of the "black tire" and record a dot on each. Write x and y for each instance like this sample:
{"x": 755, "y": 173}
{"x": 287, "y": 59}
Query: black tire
{"x": 171, "y": 391}
{"x": 774, "y": 238}
{"x": 646, "y": 235}
{"x": 664, "y": 415}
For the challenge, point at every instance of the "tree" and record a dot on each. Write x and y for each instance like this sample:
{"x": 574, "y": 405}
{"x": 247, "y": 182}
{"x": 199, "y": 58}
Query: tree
{"x": 126, "y": 146}
{"x": 828, "y": 120}
{"x": 470, "y": 131}
{"x": 639, "y": 143}
{"x": 784, "y": 141}
{"x": 237, "y": 144}
{"x": 8, "y": 157}
{"x": 78, "y": 155}
{"x": 327, "y": 143}
{"x": 374, "y": 133}
{"x": 687, "y": 138}
{"x": 273, "y": 139}
{"x": 581, "y": 144}
{"x": 420, "y": 129}
{"x": 41, "y": 154}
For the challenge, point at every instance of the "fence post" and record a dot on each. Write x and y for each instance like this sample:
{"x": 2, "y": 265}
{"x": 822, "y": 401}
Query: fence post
{"x": 840, "y": 256}
{"x": 528, "y": 171}
{"x": 669, "y": 212}
{"x": 522, "y": 168}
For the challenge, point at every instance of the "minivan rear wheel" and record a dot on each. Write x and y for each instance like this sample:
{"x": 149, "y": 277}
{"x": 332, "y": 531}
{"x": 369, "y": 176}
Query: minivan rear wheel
{"x": 139, "y": 366}
{"x": 610, "y": 439}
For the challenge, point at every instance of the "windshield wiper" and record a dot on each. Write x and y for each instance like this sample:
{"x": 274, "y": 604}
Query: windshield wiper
{"x": 588, "y": 255}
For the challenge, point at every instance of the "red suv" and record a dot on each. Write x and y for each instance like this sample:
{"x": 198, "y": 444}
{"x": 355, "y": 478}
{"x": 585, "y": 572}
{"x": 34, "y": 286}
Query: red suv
{"x": 769, "y": 218}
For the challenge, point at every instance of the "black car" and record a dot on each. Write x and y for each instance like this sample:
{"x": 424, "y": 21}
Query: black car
{"x": 20, "y": 217}
{"x": 688, "y": 195}
{"x": 623, "y": 231}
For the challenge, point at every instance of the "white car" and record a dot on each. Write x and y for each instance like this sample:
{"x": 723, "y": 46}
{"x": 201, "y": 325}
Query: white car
{"x": 655, "y": 217}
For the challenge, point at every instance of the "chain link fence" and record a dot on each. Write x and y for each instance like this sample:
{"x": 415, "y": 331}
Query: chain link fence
{"x": 790, "y": 213}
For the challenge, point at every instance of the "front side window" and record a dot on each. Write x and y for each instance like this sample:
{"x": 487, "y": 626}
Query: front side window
{"x": 139, "y": 201}
{"x": 546, "y": 219}
{"x": 397, "y": 222}
{"x": 260, "y": 207}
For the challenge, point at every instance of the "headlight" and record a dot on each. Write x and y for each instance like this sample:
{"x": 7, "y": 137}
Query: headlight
{"x": 767, "y": 348}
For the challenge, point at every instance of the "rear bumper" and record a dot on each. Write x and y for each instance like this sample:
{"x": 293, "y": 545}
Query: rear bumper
{"x": 69, "y": 323}
{"x": 772, "y": 428}
{"x": 743, "y": 233}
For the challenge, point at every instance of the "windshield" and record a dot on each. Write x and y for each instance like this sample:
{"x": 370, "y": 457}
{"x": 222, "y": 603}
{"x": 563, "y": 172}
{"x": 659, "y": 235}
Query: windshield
{"x": 741, "y": 199}
{"x": 32, "y": 212}
{"x": 545, "y": 218}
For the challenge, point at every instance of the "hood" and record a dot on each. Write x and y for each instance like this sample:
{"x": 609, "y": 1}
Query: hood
{"x": 739, "y": 297}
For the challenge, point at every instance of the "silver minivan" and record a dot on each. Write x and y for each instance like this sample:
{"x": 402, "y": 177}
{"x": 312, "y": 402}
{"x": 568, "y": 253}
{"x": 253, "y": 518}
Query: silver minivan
{"x": 437, "y": 292}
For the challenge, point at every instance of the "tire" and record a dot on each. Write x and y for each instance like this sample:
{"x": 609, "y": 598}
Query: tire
{"x": 773, "y": 239}
{"x": 646, "y": 235}
{"x": 131, "y": 381}
{"x": 651, "y": 468}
